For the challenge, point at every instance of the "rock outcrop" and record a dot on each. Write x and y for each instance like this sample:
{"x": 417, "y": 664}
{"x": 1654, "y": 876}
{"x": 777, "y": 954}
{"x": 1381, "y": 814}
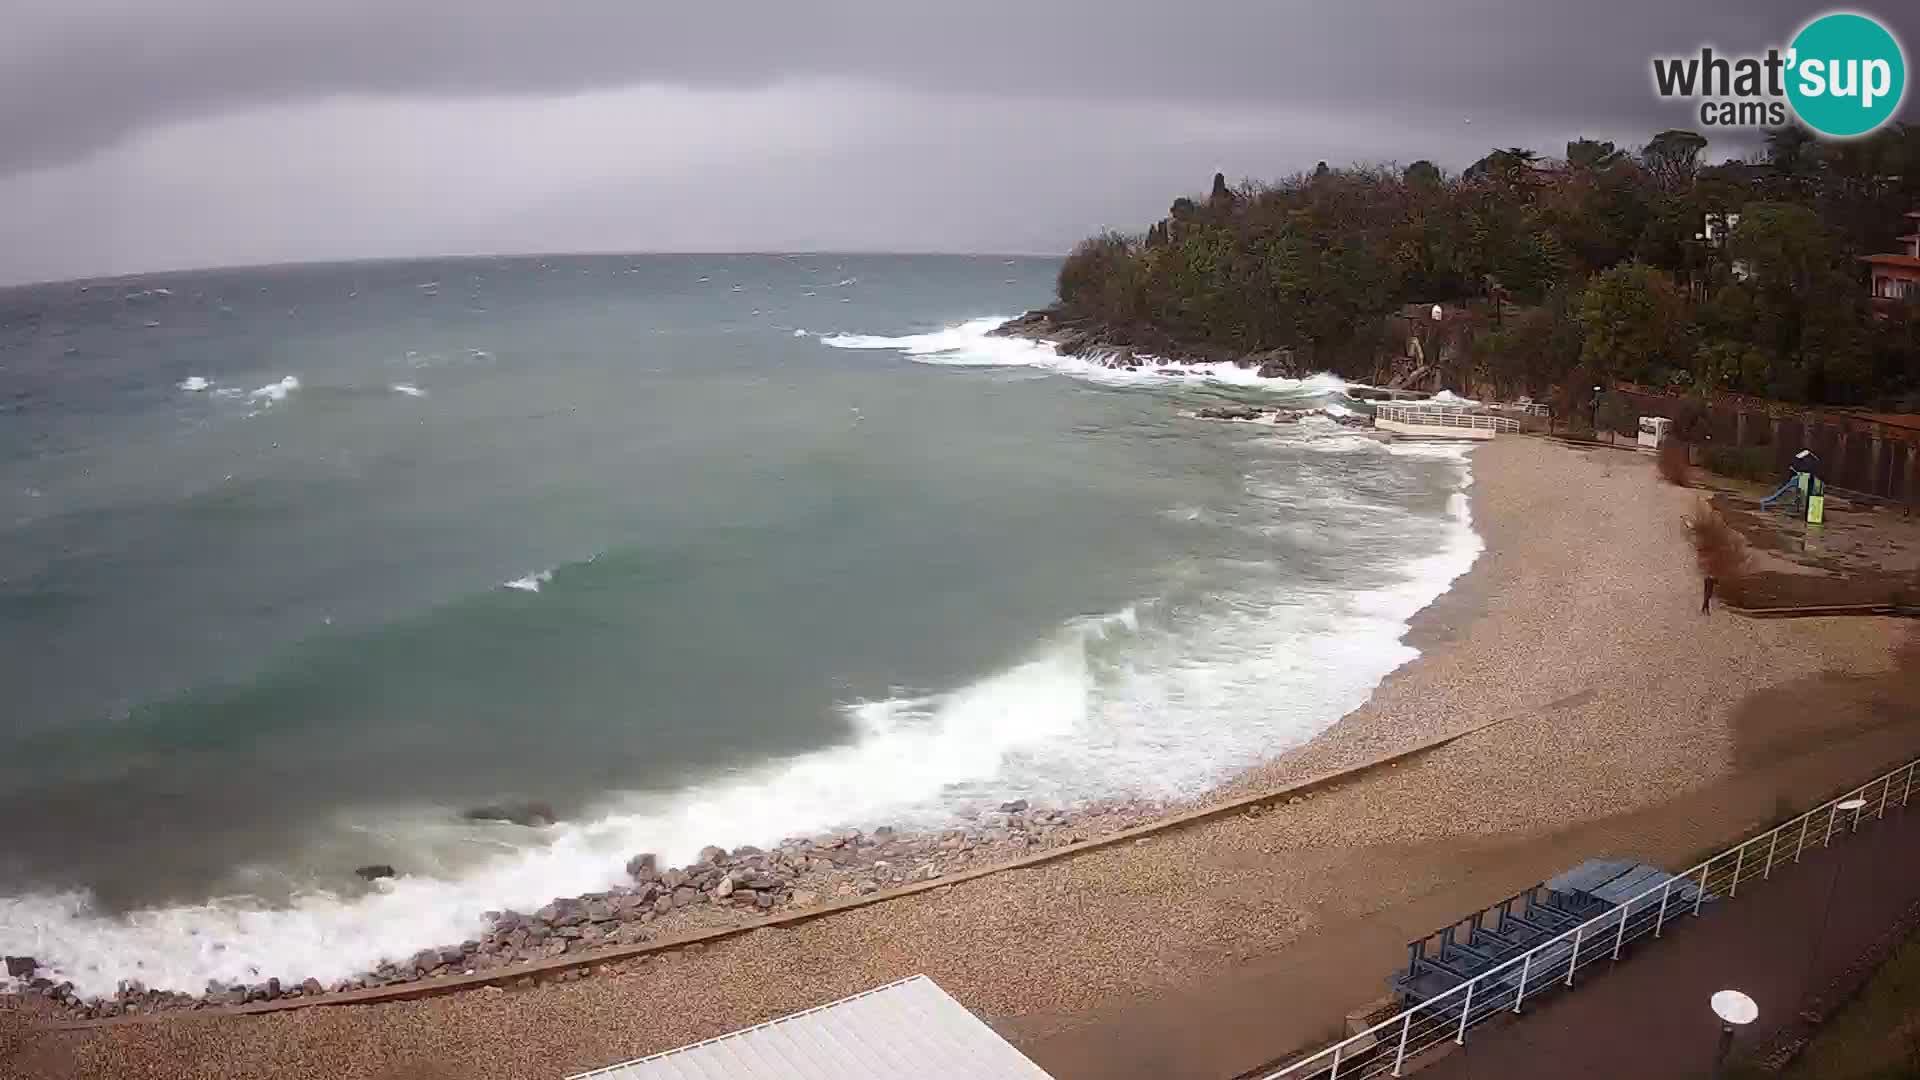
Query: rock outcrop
{"x": 1137, "y": 346}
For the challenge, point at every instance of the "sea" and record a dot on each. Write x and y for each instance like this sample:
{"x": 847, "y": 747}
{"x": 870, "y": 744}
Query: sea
{"x": 300, "y": 564}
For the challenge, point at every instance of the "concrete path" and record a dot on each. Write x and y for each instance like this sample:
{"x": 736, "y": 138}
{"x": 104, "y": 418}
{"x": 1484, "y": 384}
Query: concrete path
{"x": 1266, "y": 1007}
{"x": 1782, "y": 942}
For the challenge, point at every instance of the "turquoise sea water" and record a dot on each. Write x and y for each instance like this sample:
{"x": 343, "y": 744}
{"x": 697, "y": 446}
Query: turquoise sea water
{"x": 296, "y": 564}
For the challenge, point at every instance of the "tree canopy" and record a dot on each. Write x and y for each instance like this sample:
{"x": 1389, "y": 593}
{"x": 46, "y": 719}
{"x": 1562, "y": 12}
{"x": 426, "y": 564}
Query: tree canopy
{"x": 1645, "y": 265}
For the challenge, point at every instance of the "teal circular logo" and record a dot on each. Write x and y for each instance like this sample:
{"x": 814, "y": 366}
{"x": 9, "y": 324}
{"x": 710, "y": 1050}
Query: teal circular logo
{"x": 1846, "y": 74}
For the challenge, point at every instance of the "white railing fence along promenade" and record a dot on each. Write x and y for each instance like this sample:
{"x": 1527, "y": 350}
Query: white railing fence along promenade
{"x": 1386, "y": 1047}
{"x": 1426, "y": 415}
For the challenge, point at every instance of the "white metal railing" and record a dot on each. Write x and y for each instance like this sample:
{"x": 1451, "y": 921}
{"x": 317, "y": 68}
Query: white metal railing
{"x": 1385, "y": 1048}
{"x": 1528, "y": 408}
{"x": 1426, "y": 415}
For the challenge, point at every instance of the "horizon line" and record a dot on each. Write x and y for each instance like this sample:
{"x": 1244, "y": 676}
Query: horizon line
{"x": 88, "y": 279}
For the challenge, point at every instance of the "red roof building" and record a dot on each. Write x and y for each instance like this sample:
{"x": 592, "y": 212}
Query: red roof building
{"x": 1896, "y": 276}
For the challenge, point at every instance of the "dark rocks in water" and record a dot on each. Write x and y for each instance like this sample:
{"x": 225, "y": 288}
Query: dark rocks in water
{"x": 644, "y": 867}
{"x": 1014, "y": 807}
{"x": 21, "y": 967}
{"x": 525, "y": 813}
{"x": 1227, "y": 412}
{"x": 311, "y": 988}
{"x": 374, "y": 872}
{"x": 1129, "y": 346}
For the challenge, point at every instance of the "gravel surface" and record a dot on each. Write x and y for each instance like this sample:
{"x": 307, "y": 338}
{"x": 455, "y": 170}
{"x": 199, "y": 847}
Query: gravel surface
{"x": 1581, "y": 623}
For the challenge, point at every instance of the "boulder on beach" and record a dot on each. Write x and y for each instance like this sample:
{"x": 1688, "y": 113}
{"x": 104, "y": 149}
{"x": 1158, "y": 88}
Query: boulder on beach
{"x": 519, "y": 813}
{"x": 374, "y": 872}
{"x": 644, "y": 867}
{"x": 21, "y": 967}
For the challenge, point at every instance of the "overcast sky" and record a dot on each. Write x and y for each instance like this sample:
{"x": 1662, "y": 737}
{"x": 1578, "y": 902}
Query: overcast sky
{"x": 139, "y": 134}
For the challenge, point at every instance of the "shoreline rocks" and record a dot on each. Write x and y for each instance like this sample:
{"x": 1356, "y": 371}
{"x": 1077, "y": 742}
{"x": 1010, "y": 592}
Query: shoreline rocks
{"x": 720, "y": 889}
{"x": 1137, "y": 346}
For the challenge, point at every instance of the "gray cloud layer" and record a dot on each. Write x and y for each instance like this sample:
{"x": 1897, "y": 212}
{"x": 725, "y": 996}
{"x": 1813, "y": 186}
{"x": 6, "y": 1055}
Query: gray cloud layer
{"x": 135, "y": 134}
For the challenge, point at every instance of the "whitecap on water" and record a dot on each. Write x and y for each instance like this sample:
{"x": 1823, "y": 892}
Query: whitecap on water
{"x": 276, "y": 391}
{"x": 973, "y": 344}
{"x": 531, "y": 582}
{"x": 194, "y": 384}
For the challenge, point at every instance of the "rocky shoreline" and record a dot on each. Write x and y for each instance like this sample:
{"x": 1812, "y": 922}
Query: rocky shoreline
{"x": 1137, "y": 346}
{"x": 721, "y": 889}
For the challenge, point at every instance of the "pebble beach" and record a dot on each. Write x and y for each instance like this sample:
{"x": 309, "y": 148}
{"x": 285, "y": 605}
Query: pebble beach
{"x": 1574, "y": 651}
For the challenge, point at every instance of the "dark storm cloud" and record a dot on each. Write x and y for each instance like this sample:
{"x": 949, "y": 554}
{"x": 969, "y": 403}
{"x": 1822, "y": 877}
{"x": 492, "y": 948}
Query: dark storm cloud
{"x": 141, "y": 135}
{"x": 77, "y": 74}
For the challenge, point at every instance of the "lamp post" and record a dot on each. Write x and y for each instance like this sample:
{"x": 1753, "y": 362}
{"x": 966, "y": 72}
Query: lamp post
{"x": 1735, "y": 1010}
{"x": 1596, "y": 414}
{"x": 1851, "y": 806}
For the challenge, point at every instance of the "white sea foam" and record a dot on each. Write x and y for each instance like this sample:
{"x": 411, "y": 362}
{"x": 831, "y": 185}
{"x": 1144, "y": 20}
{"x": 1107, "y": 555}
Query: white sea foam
{"x": 408, "y": 389}
{"x": 194, "y": 384}
{"x": 1160, "y": 699}
{"x": 276, "y": 391}
{"x": 972, "y": 344}
{"x": 531, "y": 582}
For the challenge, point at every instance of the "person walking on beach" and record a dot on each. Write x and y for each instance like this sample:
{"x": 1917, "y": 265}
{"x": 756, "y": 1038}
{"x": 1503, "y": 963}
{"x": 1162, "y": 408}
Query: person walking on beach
{"x": 1706, "y": 597}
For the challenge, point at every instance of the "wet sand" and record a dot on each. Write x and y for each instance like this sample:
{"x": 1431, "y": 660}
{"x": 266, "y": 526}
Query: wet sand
{"x": 1638, "y": 727}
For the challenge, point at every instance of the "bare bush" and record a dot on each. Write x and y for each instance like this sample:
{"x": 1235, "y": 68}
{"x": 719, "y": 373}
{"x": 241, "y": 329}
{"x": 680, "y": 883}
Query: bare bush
{"x": 1673, "y": 465}
{"x": 1719, "y": 549}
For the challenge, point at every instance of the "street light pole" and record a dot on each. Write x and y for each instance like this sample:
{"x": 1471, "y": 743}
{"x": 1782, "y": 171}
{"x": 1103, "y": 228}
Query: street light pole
{"x": 1851, "y": 806}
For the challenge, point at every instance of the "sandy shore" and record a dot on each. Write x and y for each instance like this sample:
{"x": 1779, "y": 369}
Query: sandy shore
{"x": 1639, "y": 727}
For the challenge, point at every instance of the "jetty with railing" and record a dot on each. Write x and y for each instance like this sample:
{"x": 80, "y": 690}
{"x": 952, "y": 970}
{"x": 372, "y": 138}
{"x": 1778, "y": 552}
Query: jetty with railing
{"x": 1430, "y": 420}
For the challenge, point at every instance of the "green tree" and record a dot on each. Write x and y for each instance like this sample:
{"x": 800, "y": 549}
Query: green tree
{"x": 1422, "y": 174}
{"x": 1590, "y": 156}
{"x": 1672, "y": 158}
{"x": 1796, "y": 303}
{"x": 1635, "y": 325}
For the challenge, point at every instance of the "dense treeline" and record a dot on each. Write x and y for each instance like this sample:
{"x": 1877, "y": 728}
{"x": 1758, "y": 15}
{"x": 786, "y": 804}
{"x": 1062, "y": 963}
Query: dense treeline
{"x": 1602, "y": 264}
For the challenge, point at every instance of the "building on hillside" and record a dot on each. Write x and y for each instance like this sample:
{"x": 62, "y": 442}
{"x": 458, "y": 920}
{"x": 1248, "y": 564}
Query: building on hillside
{"x": 1896, "y": 275}
{"x": 1716, "y": 230}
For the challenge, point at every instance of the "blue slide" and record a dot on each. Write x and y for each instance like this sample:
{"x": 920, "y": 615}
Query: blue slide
{"x": 1792, "y": 484}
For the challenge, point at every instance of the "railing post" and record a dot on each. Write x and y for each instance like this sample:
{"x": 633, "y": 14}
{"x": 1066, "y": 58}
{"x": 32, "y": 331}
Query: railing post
{"x": 1466, "y": 1010}
{"x": 1739, "y": 863}
{"x": 1806, "y": 822}
{"x": 1400, "y": 1057}
{"x": 1908, "y": 790}
{"x": 1661, "y": 920}
{"x": 1520, "y": 995}
{"x": 1886, "y": 792}
{"x": 1700, "y": 894}
{"x": 1620, "y": 938}
{"x": 1773, "y": 841}
{"x": 1335, "y": 1074}
{"x": 1833, "y": 817}
{"x": 1573, "y": 959}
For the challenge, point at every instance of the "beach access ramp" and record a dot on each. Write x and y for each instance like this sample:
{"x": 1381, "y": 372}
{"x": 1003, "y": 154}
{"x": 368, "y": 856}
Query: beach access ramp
{"x": 910, "y": 1028}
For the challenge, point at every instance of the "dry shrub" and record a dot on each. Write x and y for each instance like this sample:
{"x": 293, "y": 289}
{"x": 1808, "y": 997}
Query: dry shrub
{"x": 1673, "y": 465}
{"x": 1719, "y": 549}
